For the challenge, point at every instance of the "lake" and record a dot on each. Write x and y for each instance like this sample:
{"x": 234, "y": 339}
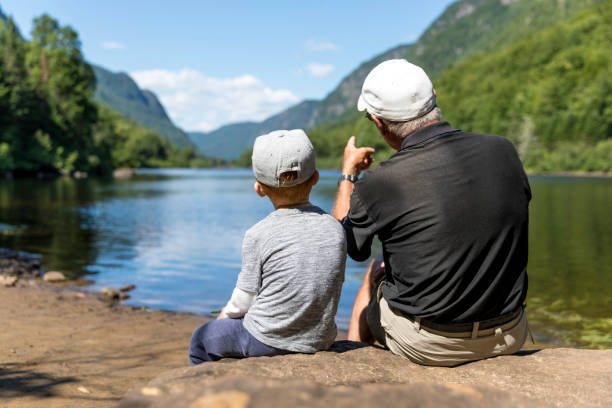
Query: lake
{"x": 176, "y": 234}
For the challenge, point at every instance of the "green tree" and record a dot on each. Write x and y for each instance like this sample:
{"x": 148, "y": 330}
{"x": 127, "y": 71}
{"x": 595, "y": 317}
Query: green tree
{"x": 21, "y": 110}
{"x": 59, "y": 74}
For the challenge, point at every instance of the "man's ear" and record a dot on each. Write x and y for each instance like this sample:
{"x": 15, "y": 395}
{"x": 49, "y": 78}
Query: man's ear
{"x": 259, "y": 189}
{"x": 378, "y": 122}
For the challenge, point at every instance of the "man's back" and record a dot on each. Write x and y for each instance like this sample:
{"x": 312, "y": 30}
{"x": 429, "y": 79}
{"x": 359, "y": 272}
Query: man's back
{"x": 451, "y": 209}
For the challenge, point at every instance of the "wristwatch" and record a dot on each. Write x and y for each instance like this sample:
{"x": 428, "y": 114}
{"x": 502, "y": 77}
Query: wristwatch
{"x": 350, "y": 177}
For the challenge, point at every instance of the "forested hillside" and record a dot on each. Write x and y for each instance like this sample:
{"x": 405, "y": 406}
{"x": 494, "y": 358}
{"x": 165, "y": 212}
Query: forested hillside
{"x": 120, "y": 93}
{"x": 49, "y": 120}
{"x": 466, "y": 28}
{"x": 549, "y": 92}
{"x": 546, "y": 87}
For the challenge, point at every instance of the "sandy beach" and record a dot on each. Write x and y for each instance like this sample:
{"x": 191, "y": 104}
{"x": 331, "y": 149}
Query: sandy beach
{"x": 64, "y": 347}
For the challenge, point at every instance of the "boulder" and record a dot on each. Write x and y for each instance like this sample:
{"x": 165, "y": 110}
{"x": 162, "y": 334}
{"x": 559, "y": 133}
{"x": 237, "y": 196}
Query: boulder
{"x": 123, "y": 173}
{"x": 354, "y": 375}
{"x": 54, "y": 276}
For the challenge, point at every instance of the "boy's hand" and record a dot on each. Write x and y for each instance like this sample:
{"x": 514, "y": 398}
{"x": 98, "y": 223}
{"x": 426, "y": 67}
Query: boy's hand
{"x": 221, "y": 315}
{"x": 356, "y": 159}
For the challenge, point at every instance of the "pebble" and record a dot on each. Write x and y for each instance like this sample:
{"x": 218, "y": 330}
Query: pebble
{"x": 127, "y": 288}
{"x": 8, "y": 280}
{"x": 84, "y": 390}
{"x": 150, "y": 391}
{"x": 113, "y": 294}
{"x": 54, "y": 276}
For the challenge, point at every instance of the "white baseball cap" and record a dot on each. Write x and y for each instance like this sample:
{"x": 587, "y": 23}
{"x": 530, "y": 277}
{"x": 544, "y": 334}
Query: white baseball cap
{"x": 397, "y": 90}
{"x": 282, "y": 151}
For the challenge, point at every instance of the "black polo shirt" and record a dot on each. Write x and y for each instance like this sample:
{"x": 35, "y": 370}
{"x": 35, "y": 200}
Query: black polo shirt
{"x": 451, "y": 211}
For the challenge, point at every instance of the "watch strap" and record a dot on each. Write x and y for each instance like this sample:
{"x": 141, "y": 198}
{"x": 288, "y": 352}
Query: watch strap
{"x": 350, "y": 177}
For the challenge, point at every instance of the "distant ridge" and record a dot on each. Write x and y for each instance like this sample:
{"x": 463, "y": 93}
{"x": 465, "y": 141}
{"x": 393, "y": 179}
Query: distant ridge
{"x": 229, "y": 141}
{"x": 122, "y": 94}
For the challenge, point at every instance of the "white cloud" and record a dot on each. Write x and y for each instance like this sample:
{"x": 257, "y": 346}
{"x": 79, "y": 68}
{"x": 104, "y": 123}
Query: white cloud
{"x": 315, "y": 46}
{"x": 319, "y": 70}
{"x": 112, "y": 45}
{"x": 196, "y": 101}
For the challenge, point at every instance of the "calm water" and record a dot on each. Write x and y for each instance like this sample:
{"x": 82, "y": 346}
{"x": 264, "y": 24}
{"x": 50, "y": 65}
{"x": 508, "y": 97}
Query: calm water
{"x": 176, "y": 234}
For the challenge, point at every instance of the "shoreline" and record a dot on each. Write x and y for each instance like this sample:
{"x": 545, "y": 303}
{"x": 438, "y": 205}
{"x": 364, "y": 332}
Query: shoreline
{"x": 65, "y": 346}
{"x": 127, "y": 173}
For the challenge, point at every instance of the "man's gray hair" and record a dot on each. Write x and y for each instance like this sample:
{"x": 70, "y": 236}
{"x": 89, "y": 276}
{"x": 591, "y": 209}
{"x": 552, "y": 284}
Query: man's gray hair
{"x": 403, "y": 129}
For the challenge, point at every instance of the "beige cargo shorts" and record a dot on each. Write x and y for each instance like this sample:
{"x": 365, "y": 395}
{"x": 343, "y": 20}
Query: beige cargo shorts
{"x": 421, "y": 345}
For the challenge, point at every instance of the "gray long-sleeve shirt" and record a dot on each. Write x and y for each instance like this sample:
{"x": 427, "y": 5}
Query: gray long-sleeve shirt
{"x": 294, "y": 260}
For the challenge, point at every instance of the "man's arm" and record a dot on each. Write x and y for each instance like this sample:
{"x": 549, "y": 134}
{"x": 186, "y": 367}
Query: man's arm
{"x": 356, "y": 159}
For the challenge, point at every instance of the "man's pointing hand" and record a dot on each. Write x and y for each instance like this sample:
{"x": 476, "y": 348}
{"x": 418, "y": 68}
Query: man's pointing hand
{"x": 356, "y": 159}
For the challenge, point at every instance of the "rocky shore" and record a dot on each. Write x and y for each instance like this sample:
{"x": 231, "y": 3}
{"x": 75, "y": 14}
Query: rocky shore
{"x": 352, "y": 375}
{"x": 64, "y": 346}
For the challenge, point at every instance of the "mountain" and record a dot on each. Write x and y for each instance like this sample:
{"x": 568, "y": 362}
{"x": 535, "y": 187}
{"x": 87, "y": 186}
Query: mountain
{"x": 549, "y": 91}
{"x": 465, "y": 28}
{"x": 229, "y": 141}
{"x": 122, "y": 94}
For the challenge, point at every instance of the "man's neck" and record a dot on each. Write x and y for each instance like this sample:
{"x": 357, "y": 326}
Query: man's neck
{"x": 416, "y": 130}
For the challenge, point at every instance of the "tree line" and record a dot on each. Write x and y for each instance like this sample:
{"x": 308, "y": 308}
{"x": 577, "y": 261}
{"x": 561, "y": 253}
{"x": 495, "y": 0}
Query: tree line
{"x": 49, "y": 121}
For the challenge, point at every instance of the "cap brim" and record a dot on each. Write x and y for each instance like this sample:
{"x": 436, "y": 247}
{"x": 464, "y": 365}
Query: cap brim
{"x": 361, "y": 104}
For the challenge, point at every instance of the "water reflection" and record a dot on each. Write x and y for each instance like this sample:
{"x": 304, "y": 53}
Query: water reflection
{"x": 570, "y": 260}
{"x": 177, "y": 235}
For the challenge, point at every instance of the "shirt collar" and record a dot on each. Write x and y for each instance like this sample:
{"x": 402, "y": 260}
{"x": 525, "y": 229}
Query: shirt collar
{"x": 427, "y": 133}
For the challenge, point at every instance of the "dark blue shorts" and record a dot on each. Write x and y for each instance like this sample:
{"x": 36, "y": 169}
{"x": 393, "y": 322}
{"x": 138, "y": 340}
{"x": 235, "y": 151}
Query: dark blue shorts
{"x": 226, "y": 338}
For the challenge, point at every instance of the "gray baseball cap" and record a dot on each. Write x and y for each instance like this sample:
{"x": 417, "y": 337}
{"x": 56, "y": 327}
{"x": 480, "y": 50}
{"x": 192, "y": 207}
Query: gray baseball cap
{"x": 282, "y": 151}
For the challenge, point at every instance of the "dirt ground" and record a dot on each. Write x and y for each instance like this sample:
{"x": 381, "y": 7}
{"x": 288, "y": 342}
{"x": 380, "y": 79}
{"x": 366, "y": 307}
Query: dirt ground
{"x": 66, "y": 348}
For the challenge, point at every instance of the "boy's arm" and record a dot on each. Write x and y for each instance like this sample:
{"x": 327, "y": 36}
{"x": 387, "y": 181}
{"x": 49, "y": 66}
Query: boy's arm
{"x": 238, "y": 305}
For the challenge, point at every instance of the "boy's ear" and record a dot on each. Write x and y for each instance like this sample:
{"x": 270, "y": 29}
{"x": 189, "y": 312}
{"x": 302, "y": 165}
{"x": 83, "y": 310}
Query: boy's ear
{"x": 315, "y": 180}
{"x": 259, "y": 189}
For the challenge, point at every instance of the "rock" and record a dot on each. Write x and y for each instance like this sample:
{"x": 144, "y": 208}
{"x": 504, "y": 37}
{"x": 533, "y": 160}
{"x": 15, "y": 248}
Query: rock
{"x": 353, "y": 375}
{"x": 124, "y": 173}
{"x": 127, "y": 288}
{"x": 84, "y": 390}
{"x": 8, "y": 280}
{"x": 113, "y": 295}
{"x": 19, "y": 264}
{"x": 54, "y": 276}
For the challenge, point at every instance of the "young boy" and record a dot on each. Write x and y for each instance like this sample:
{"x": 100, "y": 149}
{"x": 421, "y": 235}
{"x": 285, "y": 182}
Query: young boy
{"x": 293, "y": 264}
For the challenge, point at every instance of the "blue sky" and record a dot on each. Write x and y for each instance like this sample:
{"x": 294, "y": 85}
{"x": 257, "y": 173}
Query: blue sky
{"x": 217, "y": 62}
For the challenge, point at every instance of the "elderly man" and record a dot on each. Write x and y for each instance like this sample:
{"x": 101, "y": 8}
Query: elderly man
{"x": 451, "y": 210}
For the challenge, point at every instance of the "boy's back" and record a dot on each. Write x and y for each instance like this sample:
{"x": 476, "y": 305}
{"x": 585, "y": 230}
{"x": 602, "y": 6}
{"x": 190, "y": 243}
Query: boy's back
{"x": 293, "y": 264}
{"x": 294, "y": 260}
